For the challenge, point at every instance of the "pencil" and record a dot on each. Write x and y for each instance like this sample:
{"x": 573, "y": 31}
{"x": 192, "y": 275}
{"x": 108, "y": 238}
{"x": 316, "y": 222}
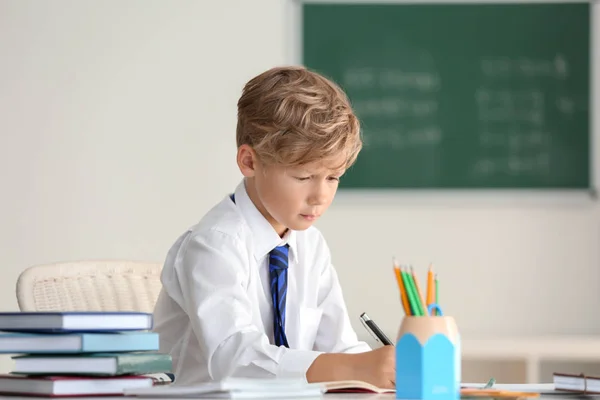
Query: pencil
{"x": 403, "y": 294}
{"x": 430, "y": 287}
{"x": 409, "y": 292}
{"x": 437, "y": 299}
{"x": 414, "y": 295}
{"x": 419, "y": 294}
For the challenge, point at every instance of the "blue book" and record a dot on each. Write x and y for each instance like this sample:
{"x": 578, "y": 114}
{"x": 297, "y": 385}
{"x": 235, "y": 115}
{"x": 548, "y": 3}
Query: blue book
{"x": 36, "y": 343}
{"x": 93, "y": 321}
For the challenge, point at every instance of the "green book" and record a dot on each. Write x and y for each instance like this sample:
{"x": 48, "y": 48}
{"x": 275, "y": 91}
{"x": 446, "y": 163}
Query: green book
{"x": 100, "y": 364}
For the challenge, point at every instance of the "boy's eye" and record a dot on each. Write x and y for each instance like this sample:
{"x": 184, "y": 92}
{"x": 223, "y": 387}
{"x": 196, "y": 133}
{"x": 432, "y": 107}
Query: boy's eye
{"x": 334, "y": 178}
{"x": 303, "y": 178}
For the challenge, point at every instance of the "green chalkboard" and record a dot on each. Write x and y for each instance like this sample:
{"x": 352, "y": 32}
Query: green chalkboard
{"x": 460, "y": 95}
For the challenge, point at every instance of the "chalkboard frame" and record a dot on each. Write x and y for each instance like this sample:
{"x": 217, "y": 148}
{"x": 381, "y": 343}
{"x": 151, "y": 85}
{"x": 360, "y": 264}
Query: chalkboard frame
{"x": 293, "y": 55}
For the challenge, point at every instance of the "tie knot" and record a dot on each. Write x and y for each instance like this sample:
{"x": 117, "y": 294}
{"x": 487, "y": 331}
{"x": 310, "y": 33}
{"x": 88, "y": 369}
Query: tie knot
{"x": 278, "y": 258}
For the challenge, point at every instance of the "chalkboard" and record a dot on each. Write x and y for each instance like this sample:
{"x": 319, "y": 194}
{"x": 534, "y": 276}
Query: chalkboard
{"x": 460, "y": 95}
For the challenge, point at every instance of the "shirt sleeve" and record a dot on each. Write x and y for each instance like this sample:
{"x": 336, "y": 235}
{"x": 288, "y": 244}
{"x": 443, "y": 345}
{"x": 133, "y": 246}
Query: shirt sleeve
{"x": 335, "y": 333}
{"x": 212, "y": 275}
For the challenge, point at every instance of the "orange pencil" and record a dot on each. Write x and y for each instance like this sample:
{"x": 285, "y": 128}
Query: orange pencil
{"x": 430, "y": 287}
{"x": 419, "y": 293}
{"x": 402, "y": 289}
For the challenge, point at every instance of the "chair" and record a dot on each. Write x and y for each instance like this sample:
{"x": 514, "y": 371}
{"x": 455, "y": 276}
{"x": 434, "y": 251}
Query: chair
{"x": 97, "y": 285}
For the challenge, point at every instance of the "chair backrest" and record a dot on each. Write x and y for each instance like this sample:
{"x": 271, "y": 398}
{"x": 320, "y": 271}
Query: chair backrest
{"x": 96, "y": 285}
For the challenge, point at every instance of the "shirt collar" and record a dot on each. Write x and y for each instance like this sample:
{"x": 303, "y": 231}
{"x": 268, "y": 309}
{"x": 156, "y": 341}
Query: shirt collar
{"x": 265, "y": 238}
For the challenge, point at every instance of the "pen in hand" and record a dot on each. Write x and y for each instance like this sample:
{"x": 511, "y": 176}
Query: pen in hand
{"x": 374, "y": 330}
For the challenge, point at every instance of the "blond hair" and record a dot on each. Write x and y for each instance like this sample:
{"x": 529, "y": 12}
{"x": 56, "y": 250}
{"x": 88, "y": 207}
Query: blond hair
{"x": 292, "y": 116}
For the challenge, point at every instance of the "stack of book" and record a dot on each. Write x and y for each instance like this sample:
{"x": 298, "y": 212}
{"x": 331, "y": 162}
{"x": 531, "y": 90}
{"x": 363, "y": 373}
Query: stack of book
{"x": 80, "y": 353}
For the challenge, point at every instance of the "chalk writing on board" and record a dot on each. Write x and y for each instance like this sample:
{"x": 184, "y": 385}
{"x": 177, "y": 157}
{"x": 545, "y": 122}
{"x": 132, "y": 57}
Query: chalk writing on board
{"x": 516, "y": 119}
{"x": 513, "y": 165}
{"x": 510, "y": 106}
{"x": 394, "y": 107}
{"x": 565, "y": 105}
{"x": 504, "y": 67}
{"x": 401, "y": 105}
{"x": 514, "y": 139}
{"x": 404, "y": 138}
{"x": 390, "y": 79}
{"x": 404, "y": 96}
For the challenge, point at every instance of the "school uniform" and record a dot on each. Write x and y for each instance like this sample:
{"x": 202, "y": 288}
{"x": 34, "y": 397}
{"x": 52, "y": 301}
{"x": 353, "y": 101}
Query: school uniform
{"x": 216, "y": 314}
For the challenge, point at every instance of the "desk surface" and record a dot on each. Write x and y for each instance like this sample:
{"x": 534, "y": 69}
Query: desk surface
{"x": 331, "y": 396}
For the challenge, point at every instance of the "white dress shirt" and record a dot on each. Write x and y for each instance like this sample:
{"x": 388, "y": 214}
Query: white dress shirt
{"x": 214, "y": 313}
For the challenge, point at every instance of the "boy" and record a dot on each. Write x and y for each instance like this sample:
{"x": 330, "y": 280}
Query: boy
{"x": 250, "y": 290}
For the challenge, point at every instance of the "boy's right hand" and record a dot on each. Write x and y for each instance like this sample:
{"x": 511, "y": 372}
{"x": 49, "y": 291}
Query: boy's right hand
{"x": 377, "y": 367}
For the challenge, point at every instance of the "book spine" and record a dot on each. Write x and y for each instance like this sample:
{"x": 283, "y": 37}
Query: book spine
{"x": 147, "y": 341}
{"x": 143, "y": 364}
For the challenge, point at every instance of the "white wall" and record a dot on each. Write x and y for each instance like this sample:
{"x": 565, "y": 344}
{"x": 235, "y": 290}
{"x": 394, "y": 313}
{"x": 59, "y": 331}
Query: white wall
{"x": 117, "y": 124}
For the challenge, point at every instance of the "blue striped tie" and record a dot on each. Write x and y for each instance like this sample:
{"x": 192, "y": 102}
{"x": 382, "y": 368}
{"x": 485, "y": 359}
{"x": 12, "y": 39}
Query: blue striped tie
{"x": 278, "y": 268}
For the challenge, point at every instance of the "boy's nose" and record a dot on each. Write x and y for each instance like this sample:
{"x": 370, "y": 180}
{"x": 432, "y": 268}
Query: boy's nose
{"x": 318, "y": 198}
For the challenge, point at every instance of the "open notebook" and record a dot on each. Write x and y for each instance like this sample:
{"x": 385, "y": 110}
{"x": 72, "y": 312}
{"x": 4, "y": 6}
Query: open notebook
{"x": 234, "y": 388}
{"x": 353, "y": 387}
{"x": 467, "y": 390}
{"x": 253, "y": 388}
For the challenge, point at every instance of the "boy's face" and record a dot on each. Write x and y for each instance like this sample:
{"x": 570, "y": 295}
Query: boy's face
{"x": 294, "y": 197}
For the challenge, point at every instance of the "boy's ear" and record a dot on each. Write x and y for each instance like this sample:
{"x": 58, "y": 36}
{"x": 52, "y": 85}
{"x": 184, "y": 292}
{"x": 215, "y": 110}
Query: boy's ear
{"x": 246, "y": 159}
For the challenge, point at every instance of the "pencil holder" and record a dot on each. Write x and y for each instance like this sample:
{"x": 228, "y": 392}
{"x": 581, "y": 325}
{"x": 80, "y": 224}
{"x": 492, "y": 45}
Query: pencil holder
{"x": 428, "y": 359}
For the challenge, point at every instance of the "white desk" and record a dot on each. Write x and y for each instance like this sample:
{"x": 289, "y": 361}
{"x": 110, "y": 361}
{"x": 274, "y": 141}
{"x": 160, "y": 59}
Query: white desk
{"x": 330, "y": 396}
